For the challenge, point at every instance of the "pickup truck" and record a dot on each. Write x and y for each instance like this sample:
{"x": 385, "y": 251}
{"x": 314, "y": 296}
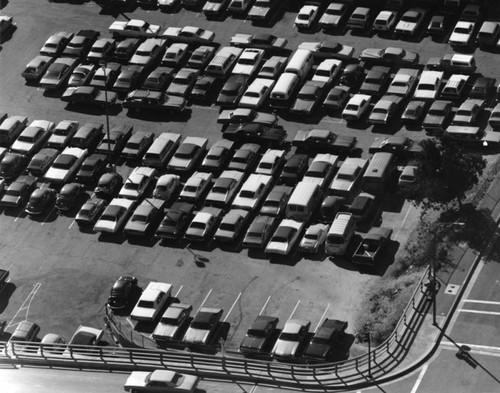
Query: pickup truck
{"x": 134, "y": 28}
{"x": 369, "y": 250}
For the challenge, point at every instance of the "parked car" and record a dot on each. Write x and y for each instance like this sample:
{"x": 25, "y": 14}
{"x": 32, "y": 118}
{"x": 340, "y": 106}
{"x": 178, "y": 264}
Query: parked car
{"x": 268, "y": 42}
{"x": 272, "y": 136}
{"x": 385, "y": 21}
{"x": 158, "y": 79}
{"x": 217, "y": 156}
{"x": 376, "y": 81}
{"x": 291, "y": 340}
{"x": 137, "y": 145}
{"x": 285, "y": 237}
{"x": 87, "y": 136}
{"x": 108, "y": 185}
{"x": 33, "y": 137}
{"x": 232, "y": 226}
{"x": 105, "y": 77}
{"x": 115, "y": 216}
{"x": 276, "y": 201}
{"x": 438, "y": 117}
{"x": 224, "y": 188}
{"x": 260, "y": 231}
{"x": 329, "y": 50}
{"x": 204, "y": 327}
{"x": 256, "y": 93}
{"x": 56, "y": 43}
{"x": 183, "y": 82}
{"x": 176, "y": 221}
{"x": 308, "y": 98}
{"x": 351, "y": 75}
{"x": 145, "y": 218}
{"x": 41, "y": 161}
{"x": 152, "y": 301}
{"x": 200, "y": 57}
{"x": 11, "y": 128}
{"x": 12, "y": 165}
{"x": 16, "y": 194}
{"x": 187, "y": 156}
{"x": 204, "y": 224}
{"x": 248, "y": 62}
{"x": 195, "y": 187}
{"x": 125, "y": 49}
{"x": 173, "y": 323}
{"x": 175, "y": 55}
{"x": 232, "y": 91}
{"x": 245, "y": 158}
{"x": 89, "y": 96}
{"x": 41, "y": 201}
{"x": 129, "y": 78}
{"x": 357, "y": 107}
{"x": 154, "y": 101}
{"x": 337, "y": 98}
{"x": 323, "y": 345}
{"x": 90, "y": 212}
{"x": 258, "y": 338}
{"x": 411, "y": 22}
{"x": 483, "y": 88}
{"x": 494, "y": 119}
{"x": 65, "y": 166}
{"x": 468, "y": 113}
{"x": 137, "y": 183}
{"x": 58, "y": 73}
{"x": 401, "y": 146}
{"x": 335, "y": 16}
{"x": 102, "y": 49}
{"x": 62, "y": 134}
{"x": 314, "y": 238}
{"x": 189, "y": 34}
{"x": 414, "y": 112}
{"x": 114, "y": 142}
{"x": 80, "y": 44}
{"x": 294, "y": 169}
{"x": 69, "y": 196}
{"x": 82, "y": 75}
{"x": 92, "y": 169}
{"x": 403, "y": 82}
{"x": 84, "y": 336}
{"x": 307, "y": 16}
{"x": 166, "y": 186}
{"x": 324, "y": 141}
{"x": 160, "y": 380}
{"x": 273, "y": 67}
{"x": 36, "y": 68}
{"x": 121, "y": 292}
{"x": 461, "y": 36}
{"x": 391, "y": 56}
{"x": 385, "y": 110}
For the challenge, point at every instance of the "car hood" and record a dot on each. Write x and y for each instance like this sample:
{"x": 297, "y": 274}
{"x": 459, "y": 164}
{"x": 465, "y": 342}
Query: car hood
{"x": 330, "y": 19}
{"x": 137, "y": 379}
{"x": 225, "y": 235}
{"x": 167, "y": 331}
{"x": 195, "y": 233}
{"x": 22, "y": 147}
{"x": 378, "y": 116}
{"x": 370, "y": 52}
{"x": 10, "y": 200}
{"x": 425, "y": 94}
{"x": 143, "y": 313}
{"x": 255, "y": 343}
{"x": 55, "y": 174}
{"x": 433, "y": 119}
{"x": 309, "y": 244}
{"x": 196, "y": 336}
{"x": 406, "y": 26}
{"x": 258, "y": 11}
{"x": 459, "y": 37}
{"x": 277, "y": 248}
{"x": 176, "y": 89}
{"x": 136, "y": 227}
{"x": 285, "y": 348}
{"x": 105, "y": 226}
{"x": 303, "y": 106}
{"x": 57, "y": 139}
{"x": 179, "y": 162}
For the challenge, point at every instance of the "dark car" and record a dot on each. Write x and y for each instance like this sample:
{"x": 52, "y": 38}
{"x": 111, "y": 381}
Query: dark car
{"x": 137, "y": 145}
{"x": 308, "y": 99}
{"x": 397, "y": 144}
{"x": 176, "y": 221}
{"x": 437, "y": 26}
{"x": 42, "y": 161}
{"x": 391, "y": 56}
{"x": 232, "y": 91}
{"x": 183, "y": 82}
{"x": 126, "y": 49}
{"x": 330, "y": 206}
{"x": 90, "y": 212}
{"x": 116, "y": 141}
{"x": 245, "y": 158}
{"x": 414, "y": 112}
{"x": 438, "y": 117}
{"x": 217, "y": 156}
{"x": 256, "y": 133}
{"x": 325, "y": 141}
{"x": 12, "y": 165}
{"x": 108, "y": 185}
{"x": 92, "y": 169}
{"x": 275, "y": 202}
{"x": 483, "y": 88}
{"x": 88, "y": 136}
{"x": 81, "y": 43}
{"x": 121, "y": 292}
{"x": 154, "y": 100}
{"x": 129, "y": 78}
{"x": 204, "y": 89}
{"x": 201, "y": 57}
{"x": 376, "y": 81}
{"x": 337, "y": 98}
{"x": 158, "y": 79}
{"x": 352, "y": 75}
{"x": 294, "y": 169}
{"x": 69, "y": 195}
{"x": 17, "y": 193}
{"x": 321, "y": 348}
{"x": 89, "y": 95}
{"x": 260, "y": 231}
{"x": 41, "y": 200}
{"x": 258, "y": 339}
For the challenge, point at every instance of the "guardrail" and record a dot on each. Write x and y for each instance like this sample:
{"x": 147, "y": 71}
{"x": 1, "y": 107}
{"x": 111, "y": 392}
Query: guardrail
{"x": 313, "y": 377}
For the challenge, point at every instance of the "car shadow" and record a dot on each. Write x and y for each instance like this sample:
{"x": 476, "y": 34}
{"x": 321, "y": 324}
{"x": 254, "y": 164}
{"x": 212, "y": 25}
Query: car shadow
{"x": 158, "y": 116}
{"x": 7, "y": 292}
{"x": 393, "y": 202}
{"x": 288, "y": 260}
{"x": 111, "y": 238}
{"x": 143, "y": 241}
{"x": 8, "y": 34}
{"x": 94, "y": 110}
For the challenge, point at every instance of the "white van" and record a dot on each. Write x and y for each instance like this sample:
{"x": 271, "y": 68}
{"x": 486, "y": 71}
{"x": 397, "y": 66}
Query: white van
{"x": 300, "y": 63}
{"x": 340, "y": 234}
{"x": 305, "y": 198}
{"x": 161, "y": 150}
{"x": 284, "y": 91}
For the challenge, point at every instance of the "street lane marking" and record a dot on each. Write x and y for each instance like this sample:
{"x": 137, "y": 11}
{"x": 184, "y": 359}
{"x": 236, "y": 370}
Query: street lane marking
{"x": 479, "y": 312}
{"x": 265, "y": 305}
{"x": 420, "y": 377}
{"x": 482, "y": 301}
{"x": 231, "y": 309}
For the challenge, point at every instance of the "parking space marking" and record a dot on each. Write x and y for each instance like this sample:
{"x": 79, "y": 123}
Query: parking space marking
{"x": 481, "y": 301}
{"x": 231, "y": 309}
{"x": 265, "y": 305}
{"x": 48, "y": 215}
{"x": 295, "y": 308}
{"x": 337, "y": 121}
{"x": 23, "y": 307}
{"x": 179, "y": 291}
{"x": 72, "y": 222}
{"x": 479, "y": 311}
{"x": 18, "y": 216}
{"x": 420, "y": 377}
{"x": 323, "y": 316}
{"x": 204, "y": 300}
{"x": 403, "y": 223}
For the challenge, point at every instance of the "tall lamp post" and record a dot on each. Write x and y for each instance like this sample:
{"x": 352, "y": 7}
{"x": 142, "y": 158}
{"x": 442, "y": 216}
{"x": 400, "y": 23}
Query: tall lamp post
{"x": 104, "y": 68}
{"x": 367, "y": 337}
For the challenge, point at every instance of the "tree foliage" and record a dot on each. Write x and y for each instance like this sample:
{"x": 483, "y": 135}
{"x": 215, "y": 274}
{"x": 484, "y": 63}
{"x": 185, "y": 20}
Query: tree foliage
{"x": 445, "y": 172}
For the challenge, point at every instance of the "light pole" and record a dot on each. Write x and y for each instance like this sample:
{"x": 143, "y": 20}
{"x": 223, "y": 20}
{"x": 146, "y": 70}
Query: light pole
{"x": 104, "y": 68}
{"x": 367, "y": 337}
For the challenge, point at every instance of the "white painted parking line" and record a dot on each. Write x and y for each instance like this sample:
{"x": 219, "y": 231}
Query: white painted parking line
{"x": 481, "y": 349}
{"x": 336, "y": 121}
{"x": 420, "y": 377}
{"x": 479, "y": 311}
{"x": 231, "y": 309}
{"x": 295, "y": 308}
{"x": 322, "y": 317}
{"x": 481, "y": 301}
{"x": 265, "y": 305}
{"x": 72, "y": 223}
{"x": 179, "y": 291}
{"x": 25, "y": 306}
{"x": 204, "y": 300}
{"x": 18, "y": 216}
{"x": 403, "y": 223}
{"x": 48, "y": 215}
{"x": 254, "y": 389}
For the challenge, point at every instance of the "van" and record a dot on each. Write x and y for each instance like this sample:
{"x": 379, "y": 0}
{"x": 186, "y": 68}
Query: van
{"x": 340, "y": 234}
{"x": 284, "y": 91}
{"x": 300, "y": 63}
{"x": 303, "y": 202}
{"x": 161, "y": 150}
{"x": 26, "y": 331}
{"x": 223, "y": 62}
{"x": 379, "y": 174}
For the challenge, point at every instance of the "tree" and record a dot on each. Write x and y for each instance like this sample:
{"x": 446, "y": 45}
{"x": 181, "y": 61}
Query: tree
{"x": 445, "y": 172}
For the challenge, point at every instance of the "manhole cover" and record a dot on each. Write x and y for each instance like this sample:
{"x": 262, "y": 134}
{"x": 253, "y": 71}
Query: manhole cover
{"x": 452, "y": 289}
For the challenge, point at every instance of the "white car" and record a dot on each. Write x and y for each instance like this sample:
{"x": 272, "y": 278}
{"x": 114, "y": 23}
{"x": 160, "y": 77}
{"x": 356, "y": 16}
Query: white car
{"x": 357, "y": 107}
{"x": 327, "y": 71}
{"x": 166, "y": 186}
{"x": 189, "y": 34}
{"x": 334, "y": 15}
{"x": 314, "y": 238}
{"x": 428, "y": 85}
{"x": 248, "y": 62}
{"x": 195, "y": 186}
{"x": 204, "y": 224}
{"x": 294, "y": 333}
{"x": 114, "y": 216}
{"x": 403, "y": 82}
{"x": 462, "y": 33}
{"x": 188, "y": 154}
{"x": 33, "y": 137}
{"x": 84, "y": 335}
{"x": 224, "y": 188}
{"x": 137, "y": 183}
{"x": 160, "y": 381}
{"x": 322, "y": 169}
{"x": 285, "y": 237}
{"x": 252, "y": 192}
{"x": 328, "y": 50}
{"x": 65, "y": 165}
{"x": 411, "y": 22}
{"x": 385, "y": 21}
{"x": 271, "y": 162}
{"x": 306, "y": 16}
{"x": 151, "y": 302}
{"x": 62, "y": 134}
{"x": 348, "y": 178}
{"x": 256, "y": 93}
{"x": 175, "y": 54}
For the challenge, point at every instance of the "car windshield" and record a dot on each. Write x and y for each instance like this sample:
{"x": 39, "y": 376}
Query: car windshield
{"x": 108, "y": 217}
{"x": 464, "y": 112}
{"x": 227, "y": 227}
{"x": 12, "y": 192}
{"x": 197, "y": 225}
{"x": 311, "y": 236}
{"x": 426, "y": 86}
{"x": 289, "y": 337}
{"x": 257, "y": 333}
{"x": 269, "y": 203}
{"x": 190, "y": 188}
{"x": 140, "y": 218}
{"x": 132, "y": 186}
{"x": 26, "y": 138}
{"x": 305, "y": 96}
{"x": 143, "y": 53}
{"x": 379, "y": 110}
{"x": 351, "y": 107}
{"x": 333, "y": 12}
{"x": 462, "y": 30}
{"x": 169, "y": 321}
{"x": 410, "y": 18}
{"x": 146, "y": 304}
{"x": 219, "y": 190}
{"x": 399, "y": 84}
{"x": 252, "y": 94}
{"x": 324, "y": 73}
{"x": 436, "y": 112}
{"x": 247, "y": 194}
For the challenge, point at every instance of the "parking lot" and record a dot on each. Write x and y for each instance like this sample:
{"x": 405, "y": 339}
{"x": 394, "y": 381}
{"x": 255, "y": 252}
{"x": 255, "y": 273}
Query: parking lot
{"x": 61, "y": 276}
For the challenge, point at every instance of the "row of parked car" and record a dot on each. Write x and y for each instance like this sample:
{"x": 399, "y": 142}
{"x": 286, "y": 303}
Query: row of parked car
{"x": 174, "y": 326}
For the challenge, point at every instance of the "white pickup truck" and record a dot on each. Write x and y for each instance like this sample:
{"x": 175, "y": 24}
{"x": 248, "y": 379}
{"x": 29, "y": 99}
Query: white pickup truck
{"x": 135, "y": 28}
